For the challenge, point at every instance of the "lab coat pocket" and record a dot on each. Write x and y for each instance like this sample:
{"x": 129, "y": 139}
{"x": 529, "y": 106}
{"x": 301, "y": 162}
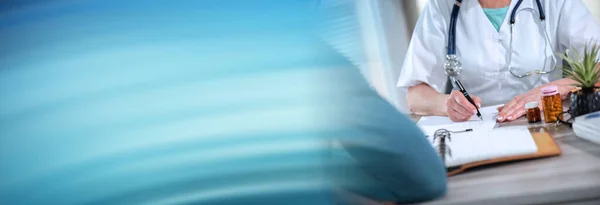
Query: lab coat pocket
{"x": 493, "y": 65}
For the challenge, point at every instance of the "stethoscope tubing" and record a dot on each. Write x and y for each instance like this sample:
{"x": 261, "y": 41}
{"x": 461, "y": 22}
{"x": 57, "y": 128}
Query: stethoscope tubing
{"x": 454, "y": 16}
{"x": 451, "y": 48}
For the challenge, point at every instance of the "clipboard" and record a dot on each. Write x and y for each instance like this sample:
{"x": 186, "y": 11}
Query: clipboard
{"x": 547, "y": 147}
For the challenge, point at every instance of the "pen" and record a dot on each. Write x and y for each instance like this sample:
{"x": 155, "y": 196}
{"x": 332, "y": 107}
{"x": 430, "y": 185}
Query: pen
{"x": 467, "y": 130}
{"x": 464, "y": 92}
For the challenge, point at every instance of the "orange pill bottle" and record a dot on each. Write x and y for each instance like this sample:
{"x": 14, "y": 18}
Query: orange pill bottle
{"x": 552, "y": 103}
{"x": 533, "y": 112}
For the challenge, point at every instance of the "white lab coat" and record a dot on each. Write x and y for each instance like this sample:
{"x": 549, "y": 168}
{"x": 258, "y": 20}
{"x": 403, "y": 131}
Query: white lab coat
{"x": 483, "y": 51}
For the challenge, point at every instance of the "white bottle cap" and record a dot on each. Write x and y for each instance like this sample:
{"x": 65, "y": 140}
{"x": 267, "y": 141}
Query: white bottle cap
{"x": 530, "y": 105}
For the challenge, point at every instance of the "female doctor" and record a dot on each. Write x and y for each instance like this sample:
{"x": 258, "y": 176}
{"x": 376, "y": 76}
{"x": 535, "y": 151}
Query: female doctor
{"x": 493, "y": 72}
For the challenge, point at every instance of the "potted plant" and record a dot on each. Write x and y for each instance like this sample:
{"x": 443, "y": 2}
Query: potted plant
{"x": 585, "y": 71}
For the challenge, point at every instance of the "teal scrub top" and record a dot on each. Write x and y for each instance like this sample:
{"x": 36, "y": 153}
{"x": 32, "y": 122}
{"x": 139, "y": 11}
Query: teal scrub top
{"x": 496, "y": 16}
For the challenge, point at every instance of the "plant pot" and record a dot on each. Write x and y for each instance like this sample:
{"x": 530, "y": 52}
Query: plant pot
{"x": 585, "y": 101}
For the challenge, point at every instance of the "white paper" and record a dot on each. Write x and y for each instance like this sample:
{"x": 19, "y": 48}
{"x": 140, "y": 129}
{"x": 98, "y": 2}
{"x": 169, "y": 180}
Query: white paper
{"x": 484, "y": 142}
{"x": 488, "y": 114}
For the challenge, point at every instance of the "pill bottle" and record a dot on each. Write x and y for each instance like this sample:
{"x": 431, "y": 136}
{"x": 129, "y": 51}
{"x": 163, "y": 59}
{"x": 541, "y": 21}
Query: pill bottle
{"x": 551, "y": 103}
{"x": 533, "y": 112}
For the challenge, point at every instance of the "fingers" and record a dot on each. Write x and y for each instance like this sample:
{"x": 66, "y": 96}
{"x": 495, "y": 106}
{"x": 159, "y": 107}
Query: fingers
{"x": 462, "y": 101}
{"x": 518, "y": 109}
{"x": 512, "y": 110}
{"x": 508, "y": 108}
{"x": 457, "y": 116}
{"x": 477, "y": 101}
{"x": 456, "y": 112}
{"x": 459, "y": 108}
{"x": 515, "y": 113}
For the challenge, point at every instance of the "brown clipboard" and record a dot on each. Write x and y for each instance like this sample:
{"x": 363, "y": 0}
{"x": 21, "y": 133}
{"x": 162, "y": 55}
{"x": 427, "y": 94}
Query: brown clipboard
{"x": 547, "y": 147}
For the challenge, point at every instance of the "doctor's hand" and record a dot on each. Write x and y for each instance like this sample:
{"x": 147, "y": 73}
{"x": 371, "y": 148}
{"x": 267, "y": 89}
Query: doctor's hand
{"x": 459, "y": 109}
{"x": 516, "y": 107}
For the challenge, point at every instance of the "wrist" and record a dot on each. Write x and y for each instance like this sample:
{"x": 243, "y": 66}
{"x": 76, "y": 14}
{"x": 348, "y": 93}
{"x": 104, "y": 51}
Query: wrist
{"x": 442, "y": 105}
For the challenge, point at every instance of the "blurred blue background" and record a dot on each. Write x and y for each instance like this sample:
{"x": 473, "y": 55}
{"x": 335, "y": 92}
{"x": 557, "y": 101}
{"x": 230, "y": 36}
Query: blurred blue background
{"x": 163, "y": 102}
{"x": 198, "y": 102}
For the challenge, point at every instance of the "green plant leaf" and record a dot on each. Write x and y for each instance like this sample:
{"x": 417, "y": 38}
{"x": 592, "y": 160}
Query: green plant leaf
{"x": 585, "y": 68}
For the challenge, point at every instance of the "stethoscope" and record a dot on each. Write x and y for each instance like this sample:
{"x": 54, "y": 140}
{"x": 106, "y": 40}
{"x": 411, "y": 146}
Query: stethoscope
{"x": 453, "y": 67}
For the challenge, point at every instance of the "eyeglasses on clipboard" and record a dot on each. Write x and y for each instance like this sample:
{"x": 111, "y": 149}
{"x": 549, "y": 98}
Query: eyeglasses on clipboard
{"x": 565, "y": 118}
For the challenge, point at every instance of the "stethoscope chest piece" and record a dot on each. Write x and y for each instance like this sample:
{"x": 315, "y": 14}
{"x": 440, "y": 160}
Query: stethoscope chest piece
{"x": 452, "y": 66}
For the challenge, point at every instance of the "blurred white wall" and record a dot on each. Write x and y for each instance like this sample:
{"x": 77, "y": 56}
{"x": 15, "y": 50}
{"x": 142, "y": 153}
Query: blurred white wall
{"x": 396, "y": 34}
{"x": 369, "y": 21}
{"x": 385, "y": 39}
{"x": 594, "y": 6}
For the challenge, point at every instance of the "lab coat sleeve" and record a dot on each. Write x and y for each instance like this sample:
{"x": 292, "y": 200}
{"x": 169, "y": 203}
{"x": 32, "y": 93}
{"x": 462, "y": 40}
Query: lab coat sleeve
{"x": 577, "y": 26}
{"x": 427, "y": 50}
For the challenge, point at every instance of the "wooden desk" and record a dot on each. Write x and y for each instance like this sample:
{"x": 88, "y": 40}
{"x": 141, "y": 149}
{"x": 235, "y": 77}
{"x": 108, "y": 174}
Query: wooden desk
{"x": 572, "y": 178}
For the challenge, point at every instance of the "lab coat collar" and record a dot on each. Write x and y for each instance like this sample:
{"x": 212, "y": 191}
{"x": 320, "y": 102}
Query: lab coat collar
{"x": 513, "y": 3}
{"x": 504, "y": 30}
{"x": 525, "y": 4}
